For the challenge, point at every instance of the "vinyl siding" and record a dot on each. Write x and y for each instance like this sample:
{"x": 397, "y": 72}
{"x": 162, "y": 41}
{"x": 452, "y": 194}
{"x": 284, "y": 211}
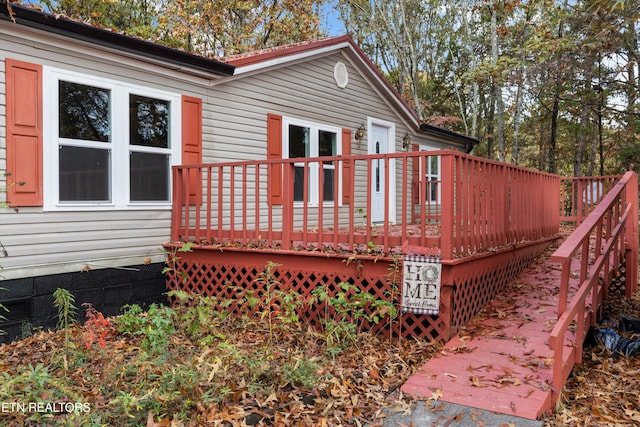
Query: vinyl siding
{"x": 39, "y": 242}
{"x": 304, "y": 91}
{"x": 234, "y": 128}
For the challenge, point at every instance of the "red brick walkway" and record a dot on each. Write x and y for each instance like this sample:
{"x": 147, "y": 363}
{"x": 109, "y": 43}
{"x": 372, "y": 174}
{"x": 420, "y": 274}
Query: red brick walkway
{"x": 501, "y": 361}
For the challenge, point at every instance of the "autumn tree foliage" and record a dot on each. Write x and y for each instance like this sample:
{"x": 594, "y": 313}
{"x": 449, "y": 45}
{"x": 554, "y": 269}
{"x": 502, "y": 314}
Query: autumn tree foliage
{"x": 210, "y": 28}
{"x": 222, "y": 28}
{"x": 549, "y": 84}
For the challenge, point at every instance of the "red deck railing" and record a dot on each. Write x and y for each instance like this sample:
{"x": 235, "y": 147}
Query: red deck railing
{"x": 580, "y": 195}
{"x": 607, "y": 237}
{"x": 440, "y": 202}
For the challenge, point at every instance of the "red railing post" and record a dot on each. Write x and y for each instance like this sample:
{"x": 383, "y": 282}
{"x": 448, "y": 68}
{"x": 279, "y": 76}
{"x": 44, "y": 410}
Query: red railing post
{"x": 596, "y": 260}
{"x": 631, "y": 236}
{"x": 287, "y": 205}
{"x": 176, "y": 204}
{"x": 448, "y": 183}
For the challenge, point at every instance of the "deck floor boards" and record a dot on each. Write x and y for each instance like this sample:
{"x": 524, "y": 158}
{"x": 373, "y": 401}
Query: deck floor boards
{"x": 501, "y": 360}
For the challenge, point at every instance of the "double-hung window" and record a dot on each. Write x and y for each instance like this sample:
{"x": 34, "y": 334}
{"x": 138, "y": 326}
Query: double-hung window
{"x": 305, "y": 140}
{"x": 433, "y": 179}
{"x": 107, "y": 143}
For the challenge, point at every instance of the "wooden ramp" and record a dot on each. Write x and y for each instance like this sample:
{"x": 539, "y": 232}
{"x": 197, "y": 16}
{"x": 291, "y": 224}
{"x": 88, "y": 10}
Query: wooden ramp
{"x": 501, "y": 360}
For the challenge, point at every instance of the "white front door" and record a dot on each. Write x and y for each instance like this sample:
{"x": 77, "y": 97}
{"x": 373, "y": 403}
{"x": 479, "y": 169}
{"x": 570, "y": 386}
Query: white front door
{"x": 378, "y": 144}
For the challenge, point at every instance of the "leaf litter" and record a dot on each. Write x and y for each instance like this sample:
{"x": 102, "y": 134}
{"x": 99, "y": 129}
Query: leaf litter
{"x": 242, "y": 374}
{"x": 605, "y": 388}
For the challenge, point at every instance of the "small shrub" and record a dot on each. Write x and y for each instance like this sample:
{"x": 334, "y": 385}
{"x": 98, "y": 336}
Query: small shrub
{"x": 345, "y": 314}
{"x": 131, "y": 321}
{"x": 277, "y": 305}
{"x": 172, "y": 262}
{"x": 155, "y": 326}
{"x": 64, "y": 301}
{"x": 96, "y": 327}
{"x": 198, "y": 315}
{"x": 303, "y": 372}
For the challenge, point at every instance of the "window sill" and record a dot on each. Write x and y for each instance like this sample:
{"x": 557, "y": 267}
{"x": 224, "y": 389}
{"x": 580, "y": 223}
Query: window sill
{"x": 99, "y": 207}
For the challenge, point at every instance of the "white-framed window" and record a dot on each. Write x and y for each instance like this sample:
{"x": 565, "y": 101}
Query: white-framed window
{"x": 107, "y": 144}
{"x": 303, "y": 139}
{"x": 432, "y": 178}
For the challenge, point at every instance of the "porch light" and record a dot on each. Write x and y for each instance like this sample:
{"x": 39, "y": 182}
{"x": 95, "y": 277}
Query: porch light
{"x": 359, "y": 134}
{"x": 406, "y": 141}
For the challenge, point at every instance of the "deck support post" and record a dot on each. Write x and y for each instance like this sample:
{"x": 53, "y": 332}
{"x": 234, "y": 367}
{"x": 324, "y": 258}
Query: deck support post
{"x": 287, "y": 205}
{"x": 448, "y": 180}
{"x": 631, "y": 237}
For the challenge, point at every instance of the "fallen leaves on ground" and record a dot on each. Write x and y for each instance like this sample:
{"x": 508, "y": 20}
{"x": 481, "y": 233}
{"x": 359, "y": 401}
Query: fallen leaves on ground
{"x": 244, "y": 375}
{"x": 605, "y": 388}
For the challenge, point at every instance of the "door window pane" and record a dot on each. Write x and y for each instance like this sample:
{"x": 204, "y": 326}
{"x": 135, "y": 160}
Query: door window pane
{"x": 377, "y": 168}
{"x": 84, "y": 112}
{"x": 148, "y": 121}
{"x": 149, "y": 177}
{"x": 84, "y": 174}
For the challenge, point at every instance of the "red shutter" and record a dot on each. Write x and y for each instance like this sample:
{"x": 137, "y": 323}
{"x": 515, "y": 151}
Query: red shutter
{"x": 24, "y": 133}
{"x": 192, "y": 143}
{"x": 274, "y": 151}
{"x": 346, "y": 167}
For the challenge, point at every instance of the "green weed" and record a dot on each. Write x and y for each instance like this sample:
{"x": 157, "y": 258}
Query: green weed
{"x": 172, "y": 262}
{"x": 64, "y": 301}
{"x": 198, "y": 315}
{"x": 302, "y": 372}
{"x": 155, "y": 326}
{"x": 345, "y": 314}
{"x": 2, "y": 318}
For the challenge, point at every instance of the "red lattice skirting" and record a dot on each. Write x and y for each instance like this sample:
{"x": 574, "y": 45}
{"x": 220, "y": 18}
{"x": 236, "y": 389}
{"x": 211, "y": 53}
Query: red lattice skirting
{"x": 479, "y": 279}
{"x": 467, "y": 285}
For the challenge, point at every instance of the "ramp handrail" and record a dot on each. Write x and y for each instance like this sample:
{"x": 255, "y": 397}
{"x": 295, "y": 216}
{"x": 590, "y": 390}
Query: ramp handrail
{"x": 596, "y": 248}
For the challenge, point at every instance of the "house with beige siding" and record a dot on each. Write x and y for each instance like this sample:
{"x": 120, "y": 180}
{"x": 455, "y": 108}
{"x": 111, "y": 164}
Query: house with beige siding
{"x": 92, "y": 121}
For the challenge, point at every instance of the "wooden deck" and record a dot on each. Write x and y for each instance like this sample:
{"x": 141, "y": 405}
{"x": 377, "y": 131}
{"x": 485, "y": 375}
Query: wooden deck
{"x": 515, "y": 355}
{"x": 501, "y": 360}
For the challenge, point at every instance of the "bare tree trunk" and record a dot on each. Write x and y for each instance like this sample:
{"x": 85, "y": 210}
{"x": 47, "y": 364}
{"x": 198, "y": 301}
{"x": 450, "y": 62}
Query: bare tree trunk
{"x": 475, "y": 109}
{"x": 497, "y": 84}
{"x": 631, "y": 45}
{"x": 551, "y": 155}
{"x": 515, "y": 159}
{"x": 585, "y": 125}
{"x": 490, "y": 123}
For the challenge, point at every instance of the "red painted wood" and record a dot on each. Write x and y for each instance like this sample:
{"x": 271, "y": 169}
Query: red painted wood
{"x": 484, "y": 257}
{"x": 24, "y": 133}
{"x": 192, "y": 143}
{"x": 274, "y": 151}
{"x": 592, "y": 251}
{"x": 501, "y": 360}
{"x": 580, "y": 195}
{"x": 347, "y": 189}
{"x": 631, "y": 235}
{"x": 470, "y": 200}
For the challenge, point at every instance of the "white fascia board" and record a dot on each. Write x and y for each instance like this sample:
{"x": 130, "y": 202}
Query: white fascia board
{"x": 278, "y": 61}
